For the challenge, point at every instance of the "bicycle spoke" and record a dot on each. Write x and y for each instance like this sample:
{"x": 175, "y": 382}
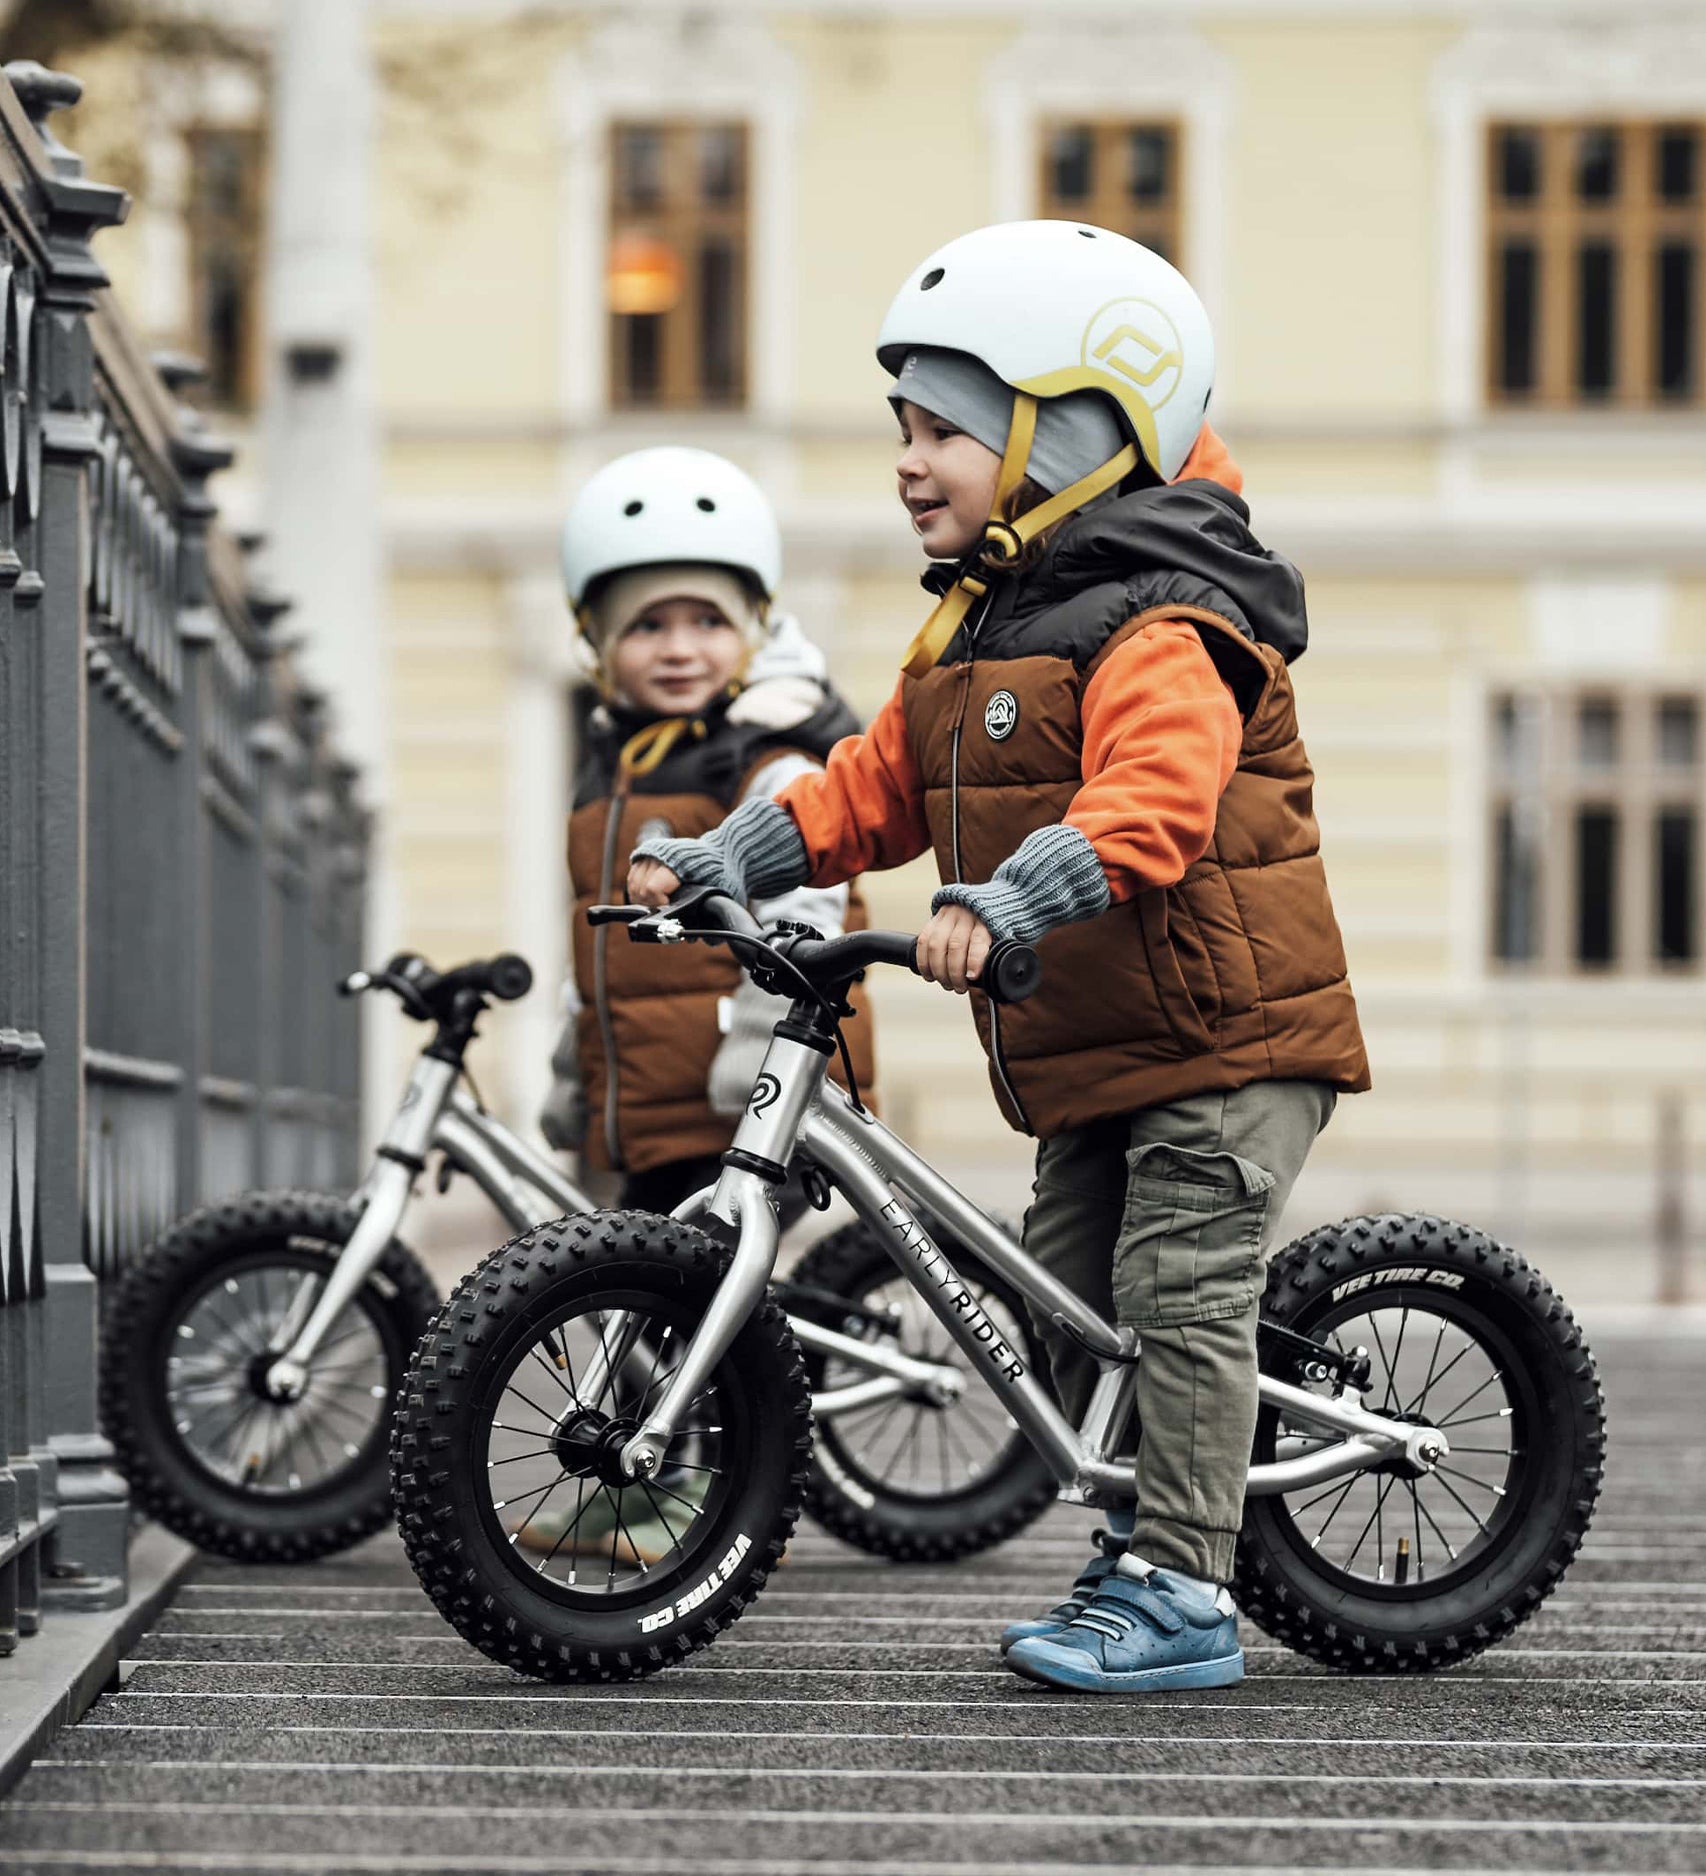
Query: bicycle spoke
{"x": 1432, "y": 1526}
{"x": 1415, "y": 1406}
{"x": 555, "y": 1376}
{"x": 564, "y": 1535}
{"x": 1385, "y": 1360}
{"x": 503, "y": 1504}
{"x": 1468, "y": 1509}
{"x": 1496, "y": 1375}
{"x": 554, "y": 1420}
{"x": 1498, "y": 1491}
{"x": 657, "y": 1512}
{"x": 1397, "y": 1358}
{"x": 1373, "y": 1524}
{"x": 1315, "y": 1541}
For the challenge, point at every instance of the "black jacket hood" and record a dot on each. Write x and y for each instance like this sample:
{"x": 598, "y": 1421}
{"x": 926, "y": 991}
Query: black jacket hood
{"x": 1187, "y": 542}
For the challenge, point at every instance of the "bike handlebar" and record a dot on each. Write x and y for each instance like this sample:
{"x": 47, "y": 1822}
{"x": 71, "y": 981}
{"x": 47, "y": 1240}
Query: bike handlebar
{"x": 431, "y": 995}
{"x": 1010, "y": 973}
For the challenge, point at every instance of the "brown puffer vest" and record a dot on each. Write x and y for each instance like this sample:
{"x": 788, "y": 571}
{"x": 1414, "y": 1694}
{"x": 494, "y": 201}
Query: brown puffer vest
{"x": 652, "y": 1010}
{"x": 1236, "y": 974}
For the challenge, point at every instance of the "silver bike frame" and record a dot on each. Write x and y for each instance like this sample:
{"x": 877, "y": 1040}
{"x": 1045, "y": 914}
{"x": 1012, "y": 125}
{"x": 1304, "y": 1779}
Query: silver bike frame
{"x": 794, "y": 1105}
{"x": 438, "y": 1113}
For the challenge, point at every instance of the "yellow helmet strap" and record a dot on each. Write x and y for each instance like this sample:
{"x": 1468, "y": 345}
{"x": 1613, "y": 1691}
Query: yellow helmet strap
{"x": 646, "y": 749}
{"x": 1004, "y": 541}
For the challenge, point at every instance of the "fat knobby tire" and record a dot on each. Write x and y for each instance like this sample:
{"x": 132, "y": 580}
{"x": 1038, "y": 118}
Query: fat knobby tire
{"x": 905, "y": 1528}
{"x": 166, "y": 1482}
{"x": 438, "y": 1453}
{"x": 1275, "y": 1585}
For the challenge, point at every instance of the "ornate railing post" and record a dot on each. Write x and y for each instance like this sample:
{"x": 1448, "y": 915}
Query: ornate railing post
{"x": 269, "y": 747}
{"x": 87, "y": 1565}
{"x": 195, "y": 456}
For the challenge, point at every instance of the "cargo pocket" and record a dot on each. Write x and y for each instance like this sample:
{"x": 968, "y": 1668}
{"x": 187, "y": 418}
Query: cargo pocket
{"x": 1190, "y": 1242}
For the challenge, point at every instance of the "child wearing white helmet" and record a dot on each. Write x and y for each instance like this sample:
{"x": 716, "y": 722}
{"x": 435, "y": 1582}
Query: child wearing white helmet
{"x": 1097, "y": 732}
{"x": 708, "y": 699}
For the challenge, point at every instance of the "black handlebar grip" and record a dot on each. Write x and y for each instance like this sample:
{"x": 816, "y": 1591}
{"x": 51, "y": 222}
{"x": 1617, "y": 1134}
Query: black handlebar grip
{"x": 1010, "y": 973}
{"x": 510, "y": 977}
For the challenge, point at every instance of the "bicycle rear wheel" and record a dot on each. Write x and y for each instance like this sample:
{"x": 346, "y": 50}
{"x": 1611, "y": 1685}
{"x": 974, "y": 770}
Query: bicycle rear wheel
{"x": 1399, "y": 1569}
{"x": 911, "y": 1479}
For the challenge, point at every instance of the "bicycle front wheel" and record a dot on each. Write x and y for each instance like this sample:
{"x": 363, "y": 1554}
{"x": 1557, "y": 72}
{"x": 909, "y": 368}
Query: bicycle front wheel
{"x": 513, "y": 1505}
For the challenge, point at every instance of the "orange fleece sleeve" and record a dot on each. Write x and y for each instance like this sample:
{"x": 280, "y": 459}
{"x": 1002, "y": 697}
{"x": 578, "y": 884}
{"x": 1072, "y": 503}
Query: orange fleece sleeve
{"x": 1161, "y": 741}
{"x": 864, "y": 809}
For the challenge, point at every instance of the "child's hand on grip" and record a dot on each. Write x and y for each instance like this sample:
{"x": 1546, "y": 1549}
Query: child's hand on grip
{"x": 952, "y": 948}
{"x": 650, "y": 882}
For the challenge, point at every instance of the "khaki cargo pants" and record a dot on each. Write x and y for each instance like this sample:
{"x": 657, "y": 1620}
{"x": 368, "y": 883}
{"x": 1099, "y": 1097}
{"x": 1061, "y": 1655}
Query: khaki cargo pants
{"x": 1161, "y": 1220}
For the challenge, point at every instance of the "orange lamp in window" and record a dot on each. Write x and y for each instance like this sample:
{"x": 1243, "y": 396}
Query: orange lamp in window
{"x": 643, "y": 274}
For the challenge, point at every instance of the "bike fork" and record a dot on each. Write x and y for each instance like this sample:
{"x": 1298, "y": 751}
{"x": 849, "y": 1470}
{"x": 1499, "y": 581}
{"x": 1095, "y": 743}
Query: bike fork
{"x": 387, "y": 1190}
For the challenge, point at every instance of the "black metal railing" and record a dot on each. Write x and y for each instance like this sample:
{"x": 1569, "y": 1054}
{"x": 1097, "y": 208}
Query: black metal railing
{"x": 182, "y": 857}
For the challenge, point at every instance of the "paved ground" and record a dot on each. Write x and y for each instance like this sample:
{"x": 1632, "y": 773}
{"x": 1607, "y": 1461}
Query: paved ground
{"x": 323, "y": 1719}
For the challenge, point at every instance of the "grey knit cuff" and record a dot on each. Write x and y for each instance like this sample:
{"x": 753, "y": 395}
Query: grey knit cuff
{"x": 755, "y": 854}
{"x": 1053, "y": 879}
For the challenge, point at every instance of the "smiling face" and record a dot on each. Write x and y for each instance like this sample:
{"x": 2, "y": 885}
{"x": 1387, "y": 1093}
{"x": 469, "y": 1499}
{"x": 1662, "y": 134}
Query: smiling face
{"x": 675, "y": 657}
{"x": 947, "y": 482}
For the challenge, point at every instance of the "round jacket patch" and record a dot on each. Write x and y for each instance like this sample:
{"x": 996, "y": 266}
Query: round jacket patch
{"x": 1000, "y": 715}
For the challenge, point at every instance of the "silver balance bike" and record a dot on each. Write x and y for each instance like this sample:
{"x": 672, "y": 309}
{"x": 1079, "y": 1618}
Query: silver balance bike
{"x": 250, "y": 1357}
{"x": 1427, "y": 1456}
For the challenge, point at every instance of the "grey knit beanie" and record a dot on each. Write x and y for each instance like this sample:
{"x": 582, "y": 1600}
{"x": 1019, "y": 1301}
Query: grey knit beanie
{"x": 1075, "y": 433}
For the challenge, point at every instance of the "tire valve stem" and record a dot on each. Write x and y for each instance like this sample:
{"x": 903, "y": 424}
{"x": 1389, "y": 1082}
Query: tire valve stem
{"x": 556, "y": 1349}
{"x": 252, "y": 1470}
{"x": 1401, "y": 1573}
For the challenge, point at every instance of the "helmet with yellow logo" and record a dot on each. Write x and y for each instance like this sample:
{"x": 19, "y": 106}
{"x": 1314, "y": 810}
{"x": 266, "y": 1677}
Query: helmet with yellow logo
{"x": 1054, "y": 308}
{"x": 1058, "y": 306}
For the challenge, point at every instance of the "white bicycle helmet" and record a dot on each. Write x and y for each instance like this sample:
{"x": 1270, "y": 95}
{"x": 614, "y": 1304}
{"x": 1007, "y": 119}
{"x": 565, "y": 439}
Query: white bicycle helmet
{"x": 670, "y": 505}
{"x": 1058, "y": 306}
{"x": 1055, "y": 307}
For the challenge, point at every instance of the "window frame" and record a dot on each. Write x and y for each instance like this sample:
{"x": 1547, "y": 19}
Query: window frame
{"x": 248, "y": 222}
{"x": 1107, "y": 129}
{"x": 1637, "y": 785}
{"x": 687, "y": 223}
{"x": 1632, "y": 222}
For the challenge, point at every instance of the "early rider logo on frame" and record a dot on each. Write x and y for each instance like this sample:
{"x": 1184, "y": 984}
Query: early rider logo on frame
{"x": 935, "y": 1266}
{"x": 764, "y": 1092}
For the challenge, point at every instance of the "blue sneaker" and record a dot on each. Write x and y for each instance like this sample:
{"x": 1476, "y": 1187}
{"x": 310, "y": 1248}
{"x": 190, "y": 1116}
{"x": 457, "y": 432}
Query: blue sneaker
{"x": 1142, "y": 1631}
{"x": 1110, "y": 1547}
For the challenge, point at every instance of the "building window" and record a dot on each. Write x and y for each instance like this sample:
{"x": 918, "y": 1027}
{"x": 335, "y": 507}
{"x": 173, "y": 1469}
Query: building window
{"x": 1596, "y": 236}
{"x": 1596, "y": 807}
{"x": 1114, "y": 174}
{"x": 676, "y": 267}
{"x": 226, "y": 203}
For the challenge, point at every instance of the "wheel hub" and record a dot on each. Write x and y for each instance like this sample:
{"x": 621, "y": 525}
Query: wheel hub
{"x": 589, "y": 1445}
{"x": 260, "y": 1382}
{"x": 1401, "y": 1465}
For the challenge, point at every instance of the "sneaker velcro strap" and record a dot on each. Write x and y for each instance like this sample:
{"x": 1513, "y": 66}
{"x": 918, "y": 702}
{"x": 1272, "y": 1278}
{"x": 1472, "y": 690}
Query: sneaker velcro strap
{"x": 1155, "y": 1609}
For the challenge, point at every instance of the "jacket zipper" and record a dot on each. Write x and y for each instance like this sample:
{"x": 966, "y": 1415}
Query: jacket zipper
{"x": 995, "y": 1052}
{"x": 600, "y": 987}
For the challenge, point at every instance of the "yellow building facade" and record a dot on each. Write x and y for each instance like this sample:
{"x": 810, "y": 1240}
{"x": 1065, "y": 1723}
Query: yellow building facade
{"x": 1455, "y": 254}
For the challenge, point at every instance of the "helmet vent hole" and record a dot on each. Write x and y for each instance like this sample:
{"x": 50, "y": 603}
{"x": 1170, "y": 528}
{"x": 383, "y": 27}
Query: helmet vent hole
{"x": 705, "y": 505}
{"x": 1089, "y": 234}
{"x": 633, "y": 508}
{"x": 931, "y": 279}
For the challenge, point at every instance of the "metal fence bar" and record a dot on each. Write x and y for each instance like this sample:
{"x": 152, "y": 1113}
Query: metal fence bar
{"x": 182, "y": 859}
